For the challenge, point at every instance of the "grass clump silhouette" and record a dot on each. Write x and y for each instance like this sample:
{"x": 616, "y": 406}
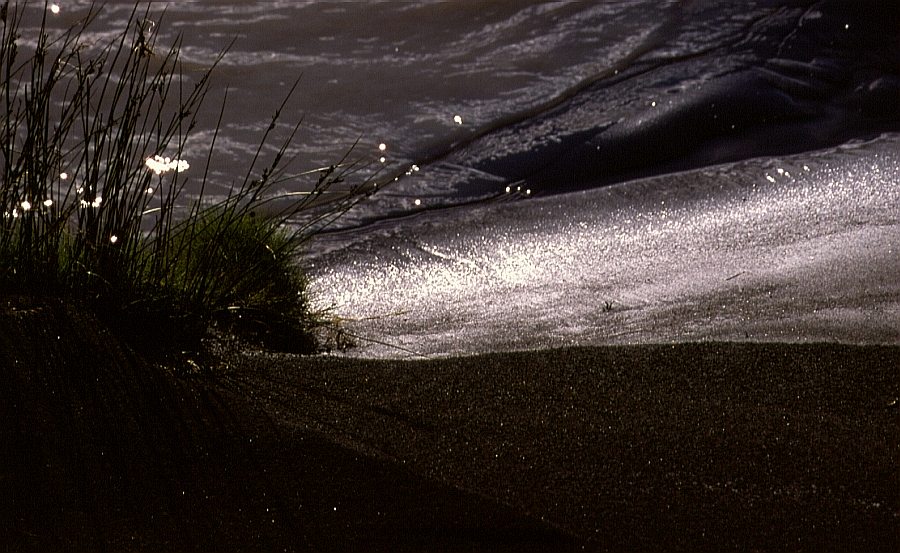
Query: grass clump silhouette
{"x": 92, "y": 208}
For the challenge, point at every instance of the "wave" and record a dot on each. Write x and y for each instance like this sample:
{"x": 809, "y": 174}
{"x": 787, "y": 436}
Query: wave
{"x": 710, "y": 86}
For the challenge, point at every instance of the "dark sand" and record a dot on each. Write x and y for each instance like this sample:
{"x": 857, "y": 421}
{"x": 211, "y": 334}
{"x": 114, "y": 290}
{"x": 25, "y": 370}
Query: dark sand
{"x": 711, "y": 447}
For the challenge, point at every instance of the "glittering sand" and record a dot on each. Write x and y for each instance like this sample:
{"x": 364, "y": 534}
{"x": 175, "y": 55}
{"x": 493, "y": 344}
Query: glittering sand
{"x": 801, "y": 248}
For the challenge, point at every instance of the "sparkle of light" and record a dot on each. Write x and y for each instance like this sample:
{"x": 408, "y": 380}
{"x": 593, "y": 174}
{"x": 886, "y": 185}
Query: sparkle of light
{"x": 160, "y": 165}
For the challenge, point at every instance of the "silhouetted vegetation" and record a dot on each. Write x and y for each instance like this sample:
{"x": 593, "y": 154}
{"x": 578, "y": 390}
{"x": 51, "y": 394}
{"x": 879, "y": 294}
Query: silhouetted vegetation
{"x": 91, "y": 195}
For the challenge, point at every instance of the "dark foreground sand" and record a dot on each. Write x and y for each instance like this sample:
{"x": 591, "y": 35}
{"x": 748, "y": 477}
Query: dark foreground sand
{"x": 751, "y": 447}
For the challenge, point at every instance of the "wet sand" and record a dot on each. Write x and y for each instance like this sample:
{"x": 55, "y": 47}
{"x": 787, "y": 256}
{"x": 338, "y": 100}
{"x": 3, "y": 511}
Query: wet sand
{"x": 712, "y": 447}
{"x": 795, "y": 249}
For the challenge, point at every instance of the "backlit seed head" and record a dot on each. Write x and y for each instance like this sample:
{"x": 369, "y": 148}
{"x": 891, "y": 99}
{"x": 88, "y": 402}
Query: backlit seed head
{"x": 160, "y": 165}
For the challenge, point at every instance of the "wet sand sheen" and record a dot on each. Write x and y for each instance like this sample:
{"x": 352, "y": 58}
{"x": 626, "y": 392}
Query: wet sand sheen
{"x": 801, "y": 248}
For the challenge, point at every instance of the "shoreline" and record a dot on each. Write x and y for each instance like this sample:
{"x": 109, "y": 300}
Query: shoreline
{"x": 800, "y": 248}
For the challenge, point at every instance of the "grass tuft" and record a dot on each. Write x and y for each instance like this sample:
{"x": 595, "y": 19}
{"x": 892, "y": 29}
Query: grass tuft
{"x": 91, "y": 195}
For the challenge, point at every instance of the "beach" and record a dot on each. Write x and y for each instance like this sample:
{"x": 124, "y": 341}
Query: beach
{"x": 710, "y": 447}
{"x": 729, "y": 381}
{"x": 621, "y": 277}
{"x": 799, "y": 248}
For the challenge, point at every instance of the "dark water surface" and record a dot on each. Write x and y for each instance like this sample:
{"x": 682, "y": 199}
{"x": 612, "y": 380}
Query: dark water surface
{"x": 472, "y": 99}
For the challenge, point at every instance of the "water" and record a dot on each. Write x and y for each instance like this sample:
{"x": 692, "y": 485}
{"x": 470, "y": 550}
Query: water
{"x": 397, "y": 73}
{"x": 471, "y": 99}
{"x": 494, "y": 114}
